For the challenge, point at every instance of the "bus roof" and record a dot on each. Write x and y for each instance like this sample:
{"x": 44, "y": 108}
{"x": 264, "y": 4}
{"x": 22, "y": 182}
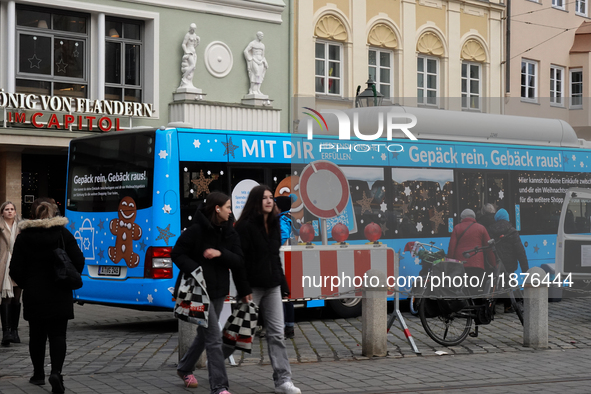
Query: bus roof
{"x": 461, "y": 126}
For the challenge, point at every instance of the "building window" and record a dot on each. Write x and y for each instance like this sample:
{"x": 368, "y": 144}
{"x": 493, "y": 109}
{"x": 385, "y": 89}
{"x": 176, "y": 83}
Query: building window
{"x": 380, "y": 70}
{"x": 427, "y": 80}
{"x": 581, "y": 7}
{"x": 576, "y": 88}
{"x": 556, "y": 86}
{"x": 558, "y": 4}
{"x": 471, "y": 85}
{"x": 123, "y": 54}
{"x": 328, "y": 68}
{"x": 51, "y": 52}
{"x": 529, "y": 83}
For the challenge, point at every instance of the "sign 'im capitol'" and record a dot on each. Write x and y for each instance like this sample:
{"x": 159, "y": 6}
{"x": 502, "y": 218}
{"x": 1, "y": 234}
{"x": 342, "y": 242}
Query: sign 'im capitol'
{"x": 77, "y": 113}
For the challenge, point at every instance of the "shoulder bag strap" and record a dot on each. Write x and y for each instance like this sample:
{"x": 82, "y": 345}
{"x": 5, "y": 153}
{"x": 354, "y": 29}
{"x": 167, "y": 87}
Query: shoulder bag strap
{"x": 461, "y": 235}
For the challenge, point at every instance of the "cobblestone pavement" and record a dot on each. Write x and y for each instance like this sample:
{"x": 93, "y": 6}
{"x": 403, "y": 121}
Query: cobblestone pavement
{"x": 114, "y": 350}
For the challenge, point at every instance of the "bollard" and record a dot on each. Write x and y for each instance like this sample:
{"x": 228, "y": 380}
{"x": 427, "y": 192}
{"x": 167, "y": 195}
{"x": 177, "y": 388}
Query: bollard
{"x": 187, "y": 333}
{"x": 374, "y": 315}
{"x": 535, "y": 319}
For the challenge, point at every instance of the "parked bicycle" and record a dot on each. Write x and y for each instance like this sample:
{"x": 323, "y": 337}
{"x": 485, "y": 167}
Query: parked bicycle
{"x": 447, "y": 315}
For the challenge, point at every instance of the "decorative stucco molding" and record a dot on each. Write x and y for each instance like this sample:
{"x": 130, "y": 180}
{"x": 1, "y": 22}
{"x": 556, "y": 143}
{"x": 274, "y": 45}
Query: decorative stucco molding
{"x": 218, "y": 59}
{"x": 473, "y": 51}
{"x": 331, "y": 28}
{"x": 382, "y": 35}
{"x": 430, "y": 44}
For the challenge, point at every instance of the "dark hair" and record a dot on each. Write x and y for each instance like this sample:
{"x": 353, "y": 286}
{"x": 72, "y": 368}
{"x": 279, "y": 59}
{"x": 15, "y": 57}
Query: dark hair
{"x": 212, "y": 200}
{"x": 38, "y": 202}
{"x": 254, "y": 204}
{"x": 45, "y": 210}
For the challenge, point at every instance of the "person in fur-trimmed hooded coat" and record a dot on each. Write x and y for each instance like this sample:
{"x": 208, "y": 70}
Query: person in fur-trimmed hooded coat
{"x": 46, "y": 306}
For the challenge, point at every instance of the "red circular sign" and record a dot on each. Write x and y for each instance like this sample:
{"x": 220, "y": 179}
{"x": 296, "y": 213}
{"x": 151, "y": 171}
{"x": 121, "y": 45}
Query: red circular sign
{"x": 328, "y": 181}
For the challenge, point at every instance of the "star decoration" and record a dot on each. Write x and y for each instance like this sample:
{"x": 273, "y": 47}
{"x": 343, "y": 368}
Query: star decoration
{"x": 75, "y": 53}
{"x": 230, "y": 148}
{"x": 419, "y": 226}
{"x": 501, "y": 195}
{"x": 417, "y": 261}
{"x": 383, "y": 206}
{"x": 101, "y": 254}
{"x": 400, "y": 255}
{"x": 101, "y": 224}
{"x": 425, "y": 194}
{"x": 407, "y": 191}
{"x": 574, "y": 157}
{"x": 163, "y": 154}
{"x": 72, "y": 226}
{"x": 536, "y": 249}
{"x": 166, "y": 208}
{"x": 384, "y": 228}
{"x": 545, "y": 242}
{"x": 61, "y": 66}
{"x": 384, "y": 156}
{"x": 582, "y": 164}
{"x": 395, "y": 155}
{"x": 365, "y": 203}
{"x": 150, "y": 298}
{"x": 35, "y": 61}
{"x": 196, "y": 143}
{"x": 202, "y": 184}
{"x": 565, "y": 159}
{"x": 437, "y": 219}
{"x": 142, "y": 245}
{"x": 86, "y": 243}
{"x": 165, "y": 234}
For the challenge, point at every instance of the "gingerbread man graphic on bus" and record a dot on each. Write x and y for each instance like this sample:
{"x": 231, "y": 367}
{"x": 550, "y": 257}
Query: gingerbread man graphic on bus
{"x": 126, "y": 232}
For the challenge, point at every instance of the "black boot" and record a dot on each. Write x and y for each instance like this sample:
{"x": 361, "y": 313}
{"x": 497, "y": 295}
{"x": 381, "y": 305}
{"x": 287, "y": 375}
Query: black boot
{"x": 15, "y": 315}
{"x": 4, "y": 317}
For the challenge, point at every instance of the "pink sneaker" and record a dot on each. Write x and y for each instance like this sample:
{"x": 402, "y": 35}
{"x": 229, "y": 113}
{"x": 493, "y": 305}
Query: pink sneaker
{"x": 189, "y": 379}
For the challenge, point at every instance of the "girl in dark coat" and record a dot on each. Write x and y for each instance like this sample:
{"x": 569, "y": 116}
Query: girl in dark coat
{"x": 261, "y": 239}
{"x": 46, "y": 306}
{"x": 211, "y": 243}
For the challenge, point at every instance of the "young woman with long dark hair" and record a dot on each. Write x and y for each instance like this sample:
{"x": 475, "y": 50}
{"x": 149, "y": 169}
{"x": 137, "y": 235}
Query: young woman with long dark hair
{"x": 260, "y": 237}
{"x": 211, "y": 243}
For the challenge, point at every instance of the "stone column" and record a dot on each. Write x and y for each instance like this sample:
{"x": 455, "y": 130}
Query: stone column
{"x": 535, "y": 319}
{"x": 374, "y": 316}
{"x": 11, "y": 179}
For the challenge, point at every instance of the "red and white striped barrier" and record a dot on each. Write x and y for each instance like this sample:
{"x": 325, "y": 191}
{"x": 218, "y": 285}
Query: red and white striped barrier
{"x": 307, "y": 266}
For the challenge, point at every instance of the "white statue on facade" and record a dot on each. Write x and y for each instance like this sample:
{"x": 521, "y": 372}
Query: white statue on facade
{"x": 256, "y": 65}
{"x": 189, "y": 61}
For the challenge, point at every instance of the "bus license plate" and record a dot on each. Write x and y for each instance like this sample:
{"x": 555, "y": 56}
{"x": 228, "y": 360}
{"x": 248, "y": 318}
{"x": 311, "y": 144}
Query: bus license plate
{"x": 105, "y": 270}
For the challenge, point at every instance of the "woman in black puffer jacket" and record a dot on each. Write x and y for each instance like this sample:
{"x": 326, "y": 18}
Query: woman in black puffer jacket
{"x": 509, "y": 246}
{"x": 211, "y": 243}
{"x": 46, "y": 306}
{"x": 260, "y": 236}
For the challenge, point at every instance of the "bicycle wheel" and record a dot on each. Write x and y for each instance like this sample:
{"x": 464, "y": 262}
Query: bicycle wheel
{"x": 517, "y": 302}
{"x": 446, "y": 330}
{"x": 414, "y": 305}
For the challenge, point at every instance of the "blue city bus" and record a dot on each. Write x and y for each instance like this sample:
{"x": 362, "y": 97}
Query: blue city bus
{"x": 131, "y": 193}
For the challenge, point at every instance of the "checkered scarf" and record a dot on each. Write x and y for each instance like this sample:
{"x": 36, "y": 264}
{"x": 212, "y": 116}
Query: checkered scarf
{"x": 192, "y": 300}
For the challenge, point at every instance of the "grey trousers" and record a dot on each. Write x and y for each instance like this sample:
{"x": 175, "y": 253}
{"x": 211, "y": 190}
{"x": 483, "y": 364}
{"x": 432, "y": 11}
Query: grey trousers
{"x": 271, "y": 306}
{"x": 209, "y": 338}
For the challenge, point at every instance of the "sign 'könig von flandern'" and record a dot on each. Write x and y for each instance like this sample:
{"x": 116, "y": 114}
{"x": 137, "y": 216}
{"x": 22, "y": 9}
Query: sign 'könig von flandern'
{"x": 66, "y": 112}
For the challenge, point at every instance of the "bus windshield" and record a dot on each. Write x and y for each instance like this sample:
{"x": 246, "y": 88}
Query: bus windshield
{"x": 104, "y": 170}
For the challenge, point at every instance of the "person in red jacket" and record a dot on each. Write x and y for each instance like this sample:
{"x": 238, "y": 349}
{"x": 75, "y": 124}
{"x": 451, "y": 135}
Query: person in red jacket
{"x": 467, "y": 235}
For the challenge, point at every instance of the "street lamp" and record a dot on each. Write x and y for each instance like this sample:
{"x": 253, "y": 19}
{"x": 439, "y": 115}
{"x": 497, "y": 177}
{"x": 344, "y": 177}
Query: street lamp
{"x": 370, "y": 97}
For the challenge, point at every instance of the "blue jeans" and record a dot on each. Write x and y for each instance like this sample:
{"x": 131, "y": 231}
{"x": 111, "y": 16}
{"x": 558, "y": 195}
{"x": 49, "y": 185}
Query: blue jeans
{"x": 209, "y": 338}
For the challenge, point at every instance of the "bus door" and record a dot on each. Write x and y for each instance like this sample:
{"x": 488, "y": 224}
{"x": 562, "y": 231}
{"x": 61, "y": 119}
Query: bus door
{"x": 573, "y": 244}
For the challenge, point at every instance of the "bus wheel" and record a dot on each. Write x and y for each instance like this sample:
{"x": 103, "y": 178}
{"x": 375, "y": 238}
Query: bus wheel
{"x": 346, "y": 307}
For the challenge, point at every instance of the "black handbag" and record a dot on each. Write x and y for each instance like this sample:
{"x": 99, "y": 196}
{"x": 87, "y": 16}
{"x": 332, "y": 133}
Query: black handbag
{"x": 66, "y": 275}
